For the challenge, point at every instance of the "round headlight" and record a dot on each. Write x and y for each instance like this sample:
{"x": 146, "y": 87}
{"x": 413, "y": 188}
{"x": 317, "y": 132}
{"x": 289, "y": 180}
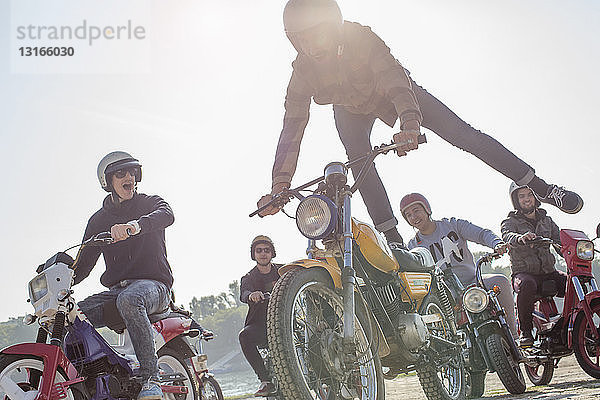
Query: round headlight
{"x": 475, "y": 299}
{"x": 316, "y": 217}
{"x": 585, "y": 250}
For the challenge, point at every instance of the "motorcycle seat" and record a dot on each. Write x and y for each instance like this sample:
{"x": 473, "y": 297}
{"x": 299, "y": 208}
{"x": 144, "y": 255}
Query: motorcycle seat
{"x": 112, "y": 317}
{"x": 548, "y": 289}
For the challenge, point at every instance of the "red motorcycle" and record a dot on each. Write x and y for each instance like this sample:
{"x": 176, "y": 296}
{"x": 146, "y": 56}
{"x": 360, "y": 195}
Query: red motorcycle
{"x": 577, "y": 328}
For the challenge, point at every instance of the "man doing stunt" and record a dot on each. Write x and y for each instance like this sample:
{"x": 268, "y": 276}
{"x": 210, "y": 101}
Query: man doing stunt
{"x": 347, "y": 65}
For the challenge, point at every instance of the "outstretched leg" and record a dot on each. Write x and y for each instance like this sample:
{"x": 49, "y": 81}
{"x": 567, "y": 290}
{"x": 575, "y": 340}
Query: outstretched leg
{"x": 447, "y": 125}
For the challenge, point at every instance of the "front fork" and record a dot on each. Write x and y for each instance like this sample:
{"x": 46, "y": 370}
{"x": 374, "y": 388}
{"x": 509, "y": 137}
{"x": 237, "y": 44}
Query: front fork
{"x": 348, "y": 277}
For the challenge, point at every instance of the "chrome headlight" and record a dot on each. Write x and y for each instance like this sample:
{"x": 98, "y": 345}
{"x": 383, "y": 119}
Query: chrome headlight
{"x": 585, "y": 250}
{"x": 475, "y": 299}
{"x": 316, "y": 217}
{"x": 38, "y": 288}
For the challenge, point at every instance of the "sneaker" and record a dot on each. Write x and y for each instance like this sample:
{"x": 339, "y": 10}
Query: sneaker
{"x": 266, "y": 388}
{"x": 526, "y": 339}
{"x": 563, "y": 199}
{"x": 150, "y": 391}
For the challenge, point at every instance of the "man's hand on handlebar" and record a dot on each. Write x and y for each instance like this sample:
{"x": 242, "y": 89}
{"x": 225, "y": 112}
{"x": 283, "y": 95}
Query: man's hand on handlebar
{"x": 256, "y": 297}
{"x": 120, "y": 232}
{"x": 408, "y": 135}
{"x": 501, "y": 248}
{"x": 526, "y": 237}
{"x": 273, "y": 209}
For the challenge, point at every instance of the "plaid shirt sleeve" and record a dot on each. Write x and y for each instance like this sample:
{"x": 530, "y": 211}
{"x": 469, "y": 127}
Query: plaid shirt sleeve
{"x": 297, "y": 105}
{"x": 392, "y": 82}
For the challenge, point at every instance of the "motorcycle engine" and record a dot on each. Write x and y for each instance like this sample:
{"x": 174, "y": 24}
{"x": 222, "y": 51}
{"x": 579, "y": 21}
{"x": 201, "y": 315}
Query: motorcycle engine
{"x": 413, "y": 331}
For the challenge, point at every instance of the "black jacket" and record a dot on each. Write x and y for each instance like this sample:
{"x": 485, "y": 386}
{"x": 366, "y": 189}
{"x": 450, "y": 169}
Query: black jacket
{"x": 251, "y": 282}
{"x": 537, "y": 260}
{"x": 142, "y": 256}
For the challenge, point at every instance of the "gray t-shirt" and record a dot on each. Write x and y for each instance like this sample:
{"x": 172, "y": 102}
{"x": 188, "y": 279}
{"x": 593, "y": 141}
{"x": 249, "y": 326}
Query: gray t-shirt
{"x": 448, "y": 245}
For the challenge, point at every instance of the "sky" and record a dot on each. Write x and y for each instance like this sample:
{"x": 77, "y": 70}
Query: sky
{"x": 199, "y": 101}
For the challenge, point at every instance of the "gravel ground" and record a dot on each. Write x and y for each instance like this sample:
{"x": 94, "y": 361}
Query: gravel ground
{"x": 569, "y": 382}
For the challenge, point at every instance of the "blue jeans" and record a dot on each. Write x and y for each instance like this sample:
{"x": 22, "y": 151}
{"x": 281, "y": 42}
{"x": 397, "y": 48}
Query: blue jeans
{"x": 135, "y": 301}
{"x": 355, "y": 133}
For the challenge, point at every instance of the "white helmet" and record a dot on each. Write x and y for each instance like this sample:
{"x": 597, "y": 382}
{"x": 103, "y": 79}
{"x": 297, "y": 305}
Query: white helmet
{"x": 113, "y": 162}
{"x": 425, "y": 256}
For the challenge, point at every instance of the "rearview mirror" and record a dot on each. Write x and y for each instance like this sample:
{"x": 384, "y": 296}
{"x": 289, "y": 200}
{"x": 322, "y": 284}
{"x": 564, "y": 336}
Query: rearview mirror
{"x": 598, "y": 231}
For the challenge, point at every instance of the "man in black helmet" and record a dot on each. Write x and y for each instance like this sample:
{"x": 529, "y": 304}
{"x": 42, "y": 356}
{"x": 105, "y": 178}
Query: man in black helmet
{"x": 346, "y": 64}
{"x": 530, "y": 265}
{"x": 137, "y": 273}
{"x": 254, "y": 285}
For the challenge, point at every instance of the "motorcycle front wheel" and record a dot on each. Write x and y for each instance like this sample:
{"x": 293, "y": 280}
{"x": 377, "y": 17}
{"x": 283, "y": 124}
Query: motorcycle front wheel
{"x": 587, "y": 349}
{"x": 443, "y": 381}
{"x": 170, "y": 363}
{"x": 210, "y": 390}
{"x": 26, "y": 371}
{"x": 506, "y": 366}
{"x": 305, "y": 331}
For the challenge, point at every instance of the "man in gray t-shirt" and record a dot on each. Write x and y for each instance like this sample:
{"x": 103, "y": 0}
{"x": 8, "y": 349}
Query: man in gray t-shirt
{"x": 447, "y": 240}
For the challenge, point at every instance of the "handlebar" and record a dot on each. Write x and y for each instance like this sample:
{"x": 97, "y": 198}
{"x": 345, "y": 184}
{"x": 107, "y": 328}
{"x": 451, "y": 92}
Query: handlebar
{"x": 282, "y": 198}
{"x": 486, "y": 258}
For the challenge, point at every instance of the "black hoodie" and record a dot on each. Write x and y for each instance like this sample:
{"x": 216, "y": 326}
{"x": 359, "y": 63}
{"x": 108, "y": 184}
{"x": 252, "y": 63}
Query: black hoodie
{"x": 142, "y": 256}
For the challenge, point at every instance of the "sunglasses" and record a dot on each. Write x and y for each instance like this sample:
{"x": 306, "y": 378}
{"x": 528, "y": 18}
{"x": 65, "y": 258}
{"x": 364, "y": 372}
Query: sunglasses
{"x": 259, "y": 250}
{"x": 133, "y": 171}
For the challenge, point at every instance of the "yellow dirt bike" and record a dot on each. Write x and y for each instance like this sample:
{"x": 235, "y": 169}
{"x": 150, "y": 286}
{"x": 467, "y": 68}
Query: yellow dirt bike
{"x": 339, "y": 318}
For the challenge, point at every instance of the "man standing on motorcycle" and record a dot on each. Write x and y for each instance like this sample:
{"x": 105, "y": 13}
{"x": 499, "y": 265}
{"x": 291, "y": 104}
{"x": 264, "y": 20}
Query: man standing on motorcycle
{"x": 346, "y": 64}
{"x": 530, "y": 265}
{"x": 447, "y": 240}
{"x": 253, "y": 286}
{"x": 137, "y": 273}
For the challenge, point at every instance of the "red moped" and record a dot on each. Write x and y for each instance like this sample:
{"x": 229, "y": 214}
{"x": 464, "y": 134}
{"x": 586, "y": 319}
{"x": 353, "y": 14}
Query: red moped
{"x": 577, "y": 328}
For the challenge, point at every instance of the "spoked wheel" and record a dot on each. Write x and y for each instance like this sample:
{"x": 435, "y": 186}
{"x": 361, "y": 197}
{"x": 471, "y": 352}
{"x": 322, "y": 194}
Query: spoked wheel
{"x": 506, "y": 366}
{"x": 170, "y": 364}
{"x": 25, "y": 372}
{"x": 305, "y": 332}
{"x": 210, "y": 390}
{"x": 541, "y": 374}
{"x": 441, "y": 380}
{"x": 587, "y": 348}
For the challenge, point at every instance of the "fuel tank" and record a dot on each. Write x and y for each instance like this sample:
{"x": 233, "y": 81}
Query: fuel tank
{"x": 374, "y": 248}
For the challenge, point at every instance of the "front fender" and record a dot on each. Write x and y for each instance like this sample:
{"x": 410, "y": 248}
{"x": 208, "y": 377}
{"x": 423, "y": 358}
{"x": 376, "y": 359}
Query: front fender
{"x": 47, "y": 352}
{"x": 584, "y": 306}
{"x": 334, "y": 271}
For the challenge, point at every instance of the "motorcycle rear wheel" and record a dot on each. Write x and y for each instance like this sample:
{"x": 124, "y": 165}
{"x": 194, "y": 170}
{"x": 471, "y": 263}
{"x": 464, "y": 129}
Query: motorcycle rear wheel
{"x": 506, "y": 367}
{"x": 587, "y": 350}
{"x": 441, "y": 382}
{"x": 22, "y": 369}
{"x": 170, "y": 362}
{"x": 475, "y": 386}
{"x": 304, "y": 332}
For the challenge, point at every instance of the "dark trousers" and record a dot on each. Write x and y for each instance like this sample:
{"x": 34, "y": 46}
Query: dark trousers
{"x": 355, "y": 131}
{"x": 251, "y": 337}
{"x": 527, "y": 287}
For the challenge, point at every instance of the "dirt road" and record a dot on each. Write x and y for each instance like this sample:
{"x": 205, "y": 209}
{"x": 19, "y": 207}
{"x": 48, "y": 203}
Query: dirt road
{"x": 569, "y": 382}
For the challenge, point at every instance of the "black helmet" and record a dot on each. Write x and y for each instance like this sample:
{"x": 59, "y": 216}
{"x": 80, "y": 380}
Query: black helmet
{"x": 113, "y": 162}
{"x": 300, "y": 15}
{"x": 261, "y": 239}
{"x": 512, "y": 192}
